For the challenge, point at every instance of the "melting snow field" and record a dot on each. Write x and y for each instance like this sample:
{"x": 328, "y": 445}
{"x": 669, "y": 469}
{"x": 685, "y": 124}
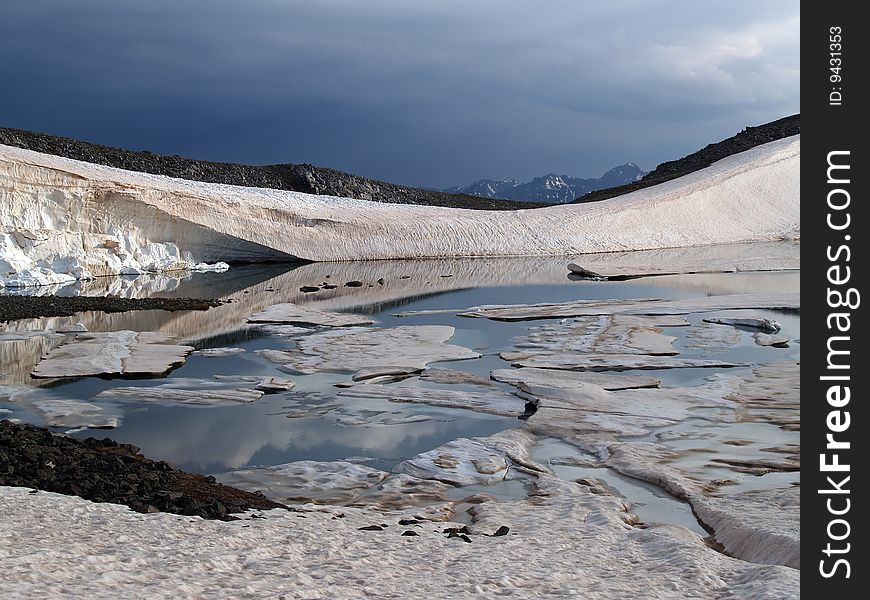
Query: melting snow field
{"x": 668, "y": 470}
{"x": 66, "y": 220}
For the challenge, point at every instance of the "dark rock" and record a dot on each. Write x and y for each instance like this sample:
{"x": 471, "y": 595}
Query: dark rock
{"x": 105, "y": 471}
{"x": 28, "y": 307}
{"x": 503, "y": 530}
{"x": 353, "y": 284}
{"x": 408, "y": 521}
{"x": 309, "y": 288}
{"x": 410, "y": 533}
{"x": 371, "y": 528}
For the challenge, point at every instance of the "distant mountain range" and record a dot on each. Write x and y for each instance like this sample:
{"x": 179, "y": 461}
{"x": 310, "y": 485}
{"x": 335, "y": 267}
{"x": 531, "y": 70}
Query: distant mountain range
{"x": 552, "y": 188}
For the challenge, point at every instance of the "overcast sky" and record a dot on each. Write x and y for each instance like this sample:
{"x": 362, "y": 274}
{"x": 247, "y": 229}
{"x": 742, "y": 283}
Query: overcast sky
{"x": 424, "y": 93}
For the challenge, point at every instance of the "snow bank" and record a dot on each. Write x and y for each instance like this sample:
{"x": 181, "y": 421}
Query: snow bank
{"x": 82, "y": 219}
{"x": 568, "y": 540}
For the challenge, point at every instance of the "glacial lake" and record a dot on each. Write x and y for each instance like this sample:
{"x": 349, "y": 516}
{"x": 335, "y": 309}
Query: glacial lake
{"x": 312, "y": 422}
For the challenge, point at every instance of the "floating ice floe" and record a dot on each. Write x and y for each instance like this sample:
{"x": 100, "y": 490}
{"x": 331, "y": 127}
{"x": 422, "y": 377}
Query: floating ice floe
{"x": 591, "y": 418}
{"x": 349, "y": 350}
{"x": 493, "y": 401}
{"x": 218, "y": 267}
{"x": 672, "y": 261}
{"x": 193, "y": 392}
{"x": 639, "y": 306}
{"x": 115, "y": 353}
{"x": 612, "y": 362}
{"x": 710, "y": 338}
{"x": 460, "y": 462}
{"x": 771, "y": 394}
{"x": 607, "y": 334}
{"x": 777, "y": 339}
{"x": 753, "y": 322}
{"x": 453, "y": 377}
{"x": 559, "y": 378}
{"x": 57, "y": 411}
{"x": 476, "y": 461}
{"x": 294, "y": 314}
{"x": 336, "y": 482}
{"x": 217, "y": 352}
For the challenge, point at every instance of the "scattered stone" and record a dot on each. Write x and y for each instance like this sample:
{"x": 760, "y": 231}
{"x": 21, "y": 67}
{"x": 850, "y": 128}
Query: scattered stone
{"x": 457, "y": 530}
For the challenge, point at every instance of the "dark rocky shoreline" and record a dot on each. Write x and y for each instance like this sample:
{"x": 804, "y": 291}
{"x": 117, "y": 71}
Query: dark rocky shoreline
{"x": 28, "y": 307}
{"x": 105, "y": 471}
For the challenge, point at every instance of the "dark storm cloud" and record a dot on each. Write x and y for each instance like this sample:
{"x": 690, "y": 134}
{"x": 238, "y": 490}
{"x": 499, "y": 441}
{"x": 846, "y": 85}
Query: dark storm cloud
{"x": 433, "y": 95}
